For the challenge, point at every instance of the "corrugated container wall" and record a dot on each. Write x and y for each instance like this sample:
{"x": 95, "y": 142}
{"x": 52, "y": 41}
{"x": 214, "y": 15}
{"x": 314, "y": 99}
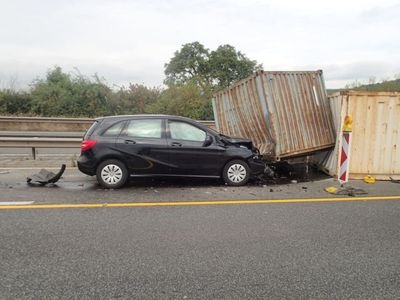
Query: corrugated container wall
{"x": 375, "y": 141}
{"x": 284, "y": 113}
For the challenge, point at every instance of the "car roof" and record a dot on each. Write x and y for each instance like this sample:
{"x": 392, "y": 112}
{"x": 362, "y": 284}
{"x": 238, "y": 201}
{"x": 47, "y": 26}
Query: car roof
{"x": 143, "y": 116}
{"x": 152, "y": 116}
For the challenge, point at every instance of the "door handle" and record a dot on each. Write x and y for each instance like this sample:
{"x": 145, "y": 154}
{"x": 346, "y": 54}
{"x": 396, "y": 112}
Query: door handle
{"x": 176, "y": 144}
{"x": 130, "y": 142}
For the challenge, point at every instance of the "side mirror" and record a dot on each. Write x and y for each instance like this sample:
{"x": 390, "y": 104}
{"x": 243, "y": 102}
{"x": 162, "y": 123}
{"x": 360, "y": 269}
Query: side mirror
{"x": 208, "y": 141}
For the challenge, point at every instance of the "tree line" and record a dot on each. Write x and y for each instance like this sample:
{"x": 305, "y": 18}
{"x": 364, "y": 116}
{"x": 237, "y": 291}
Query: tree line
{"x": 192, "y": 75}
{"x": 386, "y": 85}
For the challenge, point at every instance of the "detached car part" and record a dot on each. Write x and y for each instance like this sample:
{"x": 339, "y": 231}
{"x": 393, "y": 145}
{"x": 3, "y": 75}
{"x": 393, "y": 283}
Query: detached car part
{"x": 44, "y": 177}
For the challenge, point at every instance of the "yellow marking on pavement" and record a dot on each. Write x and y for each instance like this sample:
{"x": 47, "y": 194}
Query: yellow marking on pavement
{"x": 197, "y": 203}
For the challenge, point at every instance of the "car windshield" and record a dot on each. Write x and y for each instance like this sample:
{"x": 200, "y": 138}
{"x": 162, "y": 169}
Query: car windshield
{"x": 216, "y": 132}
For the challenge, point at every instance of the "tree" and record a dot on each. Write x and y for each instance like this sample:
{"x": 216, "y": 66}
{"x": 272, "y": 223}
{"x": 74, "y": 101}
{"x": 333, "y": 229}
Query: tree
{"x": 228, "y": 65}
{"x": 195, "y": 73}
{"x": 61, "y": 94}
{"x": 186, "y": 100}
{"x": 209, "y": 70}
{"x": 189, "y": 64}
{"x": 135, "y": 100}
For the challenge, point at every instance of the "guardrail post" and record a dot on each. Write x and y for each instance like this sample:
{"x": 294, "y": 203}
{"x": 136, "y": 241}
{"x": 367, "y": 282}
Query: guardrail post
{"x": 34, "y": 153}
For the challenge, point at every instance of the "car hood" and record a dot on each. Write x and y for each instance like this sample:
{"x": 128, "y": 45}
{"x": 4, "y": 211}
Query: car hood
{"x": 239, "y": 142}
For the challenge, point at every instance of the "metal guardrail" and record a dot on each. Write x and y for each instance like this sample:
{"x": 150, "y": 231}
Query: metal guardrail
{"x": 39, "y": 142}
{"x": 42, "y": 134}
{"x": 29, "y": 142}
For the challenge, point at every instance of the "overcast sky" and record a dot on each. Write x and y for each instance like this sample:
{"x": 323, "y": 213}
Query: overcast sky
{"x": 130, "y": 41}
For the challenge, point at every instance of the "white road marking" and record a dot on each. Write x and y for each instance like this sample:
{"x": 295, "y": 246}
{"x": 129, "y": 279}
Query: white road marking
{"x": 17, "y": 203}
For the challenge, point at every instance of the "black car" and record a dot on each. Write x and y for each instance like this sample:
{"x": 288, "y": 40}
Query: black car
{"x": 118, "y": 147}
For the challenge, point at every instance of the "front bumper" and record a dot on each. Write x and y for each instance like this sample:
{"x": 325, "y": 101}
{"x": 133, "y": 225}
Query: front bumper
{"x": 257, "y": 166}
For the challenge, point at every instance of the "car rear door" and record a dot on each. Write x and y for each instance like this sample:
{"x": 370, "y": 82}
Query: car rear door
{"x": 144, "y": 146}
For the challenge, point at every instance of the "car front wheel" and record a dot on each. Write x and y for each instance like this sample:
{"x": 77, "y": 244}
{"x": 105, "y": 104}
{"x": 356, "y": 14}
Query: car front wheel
{"x": 112, "y": 174}
{"x": 236, "y": 173}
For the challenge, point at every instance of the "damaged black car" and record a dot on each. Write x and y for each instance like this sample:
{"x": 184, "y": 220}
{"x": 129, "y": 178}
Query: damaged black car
{"x": 119, "y": 147}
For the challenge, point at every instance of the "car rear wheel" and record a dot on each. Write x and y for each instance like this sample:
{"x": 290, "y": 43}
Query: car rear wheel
{"x": 112, "y": 174}
{"x": 236, "y": 173}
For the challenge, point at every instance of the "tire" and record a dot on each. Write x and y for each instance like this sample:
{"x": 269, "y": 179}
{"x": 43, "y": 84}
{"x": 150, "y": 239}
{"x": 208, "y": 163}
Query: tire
{"x": 236, "y": 173}
{"x": 112, "y": 174}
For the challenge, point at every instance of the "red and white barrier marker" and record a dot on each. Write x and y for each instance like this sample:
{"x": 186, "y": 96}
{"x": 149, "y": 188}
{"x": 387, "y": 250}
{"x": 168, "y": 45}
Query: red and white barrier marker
{"x": 345, "y": 158}
{"x": 343, "y": 175}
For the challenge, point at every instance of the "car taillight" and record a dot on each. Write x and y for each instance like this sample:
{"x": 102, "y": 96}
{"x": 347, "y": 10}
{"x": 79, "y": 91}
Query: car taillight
{"x": 88, "y": 144}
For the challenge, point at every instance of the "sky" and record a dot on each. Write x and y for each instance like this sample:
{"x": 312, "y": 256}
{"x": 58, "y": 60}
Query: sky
{"x": 130, "y": 41}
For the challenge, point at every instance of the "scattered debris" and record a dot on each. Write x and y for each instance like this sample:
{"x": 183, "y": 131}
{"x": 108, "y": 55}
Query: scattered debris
{"x": 285, "y": 173}
{"x": 369, "y": 179}
{"x": 268, "y": 171}
{"x": 394, "y": 180}
{"x": 349, "y": 191}
{"x": 331, "y": 189}
{"x": 44, "y": 177}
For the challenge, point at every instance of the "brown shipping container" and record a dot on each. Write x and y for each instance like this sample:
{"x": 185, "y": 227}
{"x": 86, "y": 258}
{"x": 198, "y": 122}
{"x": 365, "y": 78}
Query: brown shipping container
{"x": 375, "y": 140}
{"x": 285, "y": 114}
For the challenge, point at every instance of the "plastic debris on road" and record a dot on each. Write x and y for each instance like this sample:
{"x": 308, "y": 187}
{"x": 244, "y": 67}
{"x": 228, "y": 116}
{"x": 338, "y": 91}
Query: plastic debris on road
{"x": 394, "y": 180}
{"x": 369, "y": 179}
{"x": 44, "y": 177}
{"x": 349, "y": 191}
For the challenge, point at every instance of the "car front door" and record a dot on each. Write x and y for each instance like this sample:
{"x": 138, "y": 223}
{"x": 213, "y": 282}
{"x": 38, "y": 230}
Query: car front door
{"x": 144, "y": 146}
{"x": 188, "y": 154}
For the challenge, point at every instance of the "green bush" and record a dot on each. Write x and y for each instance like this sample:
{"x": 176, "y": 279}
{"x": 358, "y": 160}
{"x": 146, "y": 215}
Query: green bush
{"x": 14, "y": 102}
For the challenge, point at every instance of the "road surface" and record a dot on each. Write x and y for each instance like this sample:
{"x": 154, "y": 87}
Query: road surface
{"x": 233, "y": 250}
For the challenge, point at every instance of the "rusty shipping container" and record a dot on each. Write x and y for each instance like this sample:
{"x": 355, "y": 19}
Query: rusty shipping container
{"x": 285, "y": 114}
{"x": 375, "y": 141}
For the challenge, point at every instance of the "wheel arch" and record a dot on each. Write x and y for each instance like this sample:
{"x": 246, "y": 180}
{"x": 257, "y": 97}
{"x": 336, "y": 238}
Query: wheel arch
{"x": 111, "y": 156}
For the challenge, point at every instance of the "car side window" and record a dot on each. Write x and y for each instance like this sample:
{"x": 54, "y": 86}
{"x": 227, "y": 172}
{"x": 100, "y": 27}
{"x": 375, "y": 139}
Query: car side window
{"x": 145, "y": 128}
{"x": 114, "y": 130}
{"x": 185, "y": 131}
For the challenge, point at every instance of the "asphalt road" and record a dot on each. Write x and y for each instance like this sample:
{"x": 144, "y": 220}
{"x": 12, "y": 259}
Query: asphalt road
{"x": 233, "y": 250}
{"x": 287, "y": 250}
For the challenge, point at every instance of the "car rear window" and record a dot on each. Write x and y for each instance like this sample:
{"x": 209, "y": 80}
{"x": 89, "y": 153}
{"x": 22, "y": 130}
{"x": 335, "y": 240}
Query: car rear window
{"x": 114, "y": 130}
{"x": 90, "y": 130}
